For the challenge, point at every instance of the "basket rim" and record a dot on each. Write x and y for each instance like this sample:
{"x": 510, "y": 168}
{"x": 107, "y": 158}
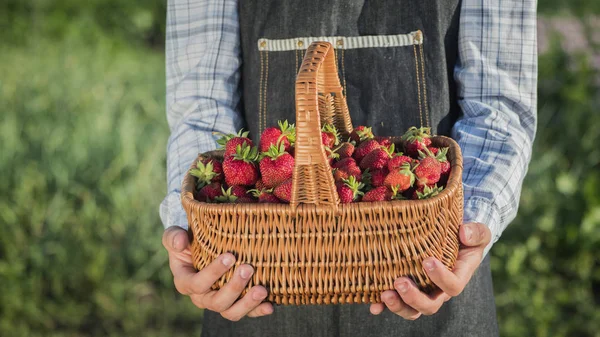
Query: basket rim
{"x": 454, "y": 182}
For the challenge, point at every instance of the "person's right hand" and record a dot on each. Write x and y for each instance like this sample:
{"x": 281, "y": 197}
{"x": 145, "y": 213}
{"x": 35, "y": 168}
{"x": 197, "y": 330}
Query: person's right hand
{"x": 197, "y": 285}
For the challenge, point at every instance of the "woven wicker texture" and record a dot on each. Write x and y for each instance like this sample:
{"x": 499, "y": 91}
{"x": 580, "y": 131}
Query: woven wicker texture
{"x": 316, "y": 250}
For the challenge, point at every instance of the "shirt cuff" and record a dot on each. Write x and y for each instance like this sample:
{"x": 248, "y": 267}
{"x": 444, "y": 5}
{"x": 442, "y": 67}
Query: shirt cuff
{"x": 172, "y": 212}
{"x": 483, "y": 211}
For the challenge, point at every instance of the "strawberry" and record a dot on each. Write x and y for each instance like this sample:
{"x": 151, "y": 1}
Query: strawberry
{"x": 361, "y": 133}
{"x": 377, "y": 159}
{"x": 276, "y": 166}
{"x": 401, "y": 178}
{"x": 329, "y": 136}
{"x": 349, "y": 190}
{"x": 285, "y": 133}
{"x": 284, "y": 191}
{"x": 381, "y": 193}
{"x": 416, "y": 140}
{"x": 209, "y": 192}
{"x": 345, "y": 168}
{"x": 383, "y": 141}
{"x": 233, "y": 194}
{"x": 445, "y": 165}
{"x": 398, "y": 160}
{"x": 260, "y": 185}
{"x": 207, "y": 170}
{"x": 331, "y": 156}
{"x": 230, "y": 142}
{"x": 428, "y": 170}
{"x": 433, "y": 150}
{"x": 265, "y": 196}
{"x": 240, "y": 168}
{"x": 378, "y": 177}
{"x": 345, "y": 150}
{"x": 364, "y": 149}
{"x": 344, "y": 163}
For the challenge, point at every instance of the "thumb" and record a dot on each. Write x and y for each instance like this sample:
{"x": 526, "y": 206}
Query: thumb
{"x": 175, "y": 239}
{"x": 474, "y": 234}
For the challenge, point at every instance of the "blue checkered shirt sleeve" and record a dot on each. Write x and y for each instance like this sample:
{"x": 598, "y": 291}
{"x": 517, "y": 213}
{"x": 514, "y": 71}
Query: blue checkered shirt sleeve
{"x": 202, "y": 66}
{"x": 497, "y": 92}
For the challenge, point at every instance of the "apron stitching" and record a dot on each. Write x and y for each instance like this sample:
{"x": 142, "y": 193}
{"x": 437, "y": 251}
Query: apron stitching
{"x": 344, "y": 73}
{"x": 260, "y": 92}
{"x": 424, "y": 86}
{"x": 418, "y": 84}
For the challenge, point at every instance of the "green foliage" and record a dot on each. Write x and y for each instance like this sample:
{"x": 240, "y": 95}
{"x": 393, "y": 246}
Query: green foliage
{"x": 82, "y": 157}
{"x": 545, "y": 266}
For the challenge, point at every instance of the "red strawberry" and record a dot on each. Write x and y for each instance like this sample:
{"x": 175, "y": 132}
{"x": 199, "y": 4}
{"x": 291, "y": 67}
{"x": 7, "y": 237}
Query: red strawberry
{"x": 433, "y": 150}
{"x": 381, "y": 193}
{"x": 428, "y": 170}
{"x": 265, "y": 196}
{"x": 285, "y": 133}
{"x": 209, "y": 192}
{"x": 207, "y": 170}
{"x": 377, "y": 159}
{"x": 260, "y": 185}
{"x": 329, "y": 136}
{"x": 402, "y": 178}
{"x": 441, "y": 156}
{"x": 345, "y": 150}
{"x": 378, "y": 177}
{"x": 230, "y": 142}
{"x": 233, "y": 194}
{"x": 416, "y": 140}
{"x": 361, "y": 133}
{"x": 240, "y": 168}
{"x": 364, "y": 149}
{"x": 331, "y": 156}
{"x": 246, "y": 200}
{"x": 284, "y": 191}
{"x": 349, "y": 190}
{"x": 345, "y": 162}
{"x": 398, "y": 160}
{"x": 276, "y": 166}
{"x": 383, "y": 141}
{"x": 340, "y": 175}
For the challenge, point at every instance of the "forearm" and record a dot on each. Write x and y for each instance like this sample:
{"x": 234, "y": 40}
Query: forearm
{"x": 202, "y": 65}
{"x": 497, "y": 90}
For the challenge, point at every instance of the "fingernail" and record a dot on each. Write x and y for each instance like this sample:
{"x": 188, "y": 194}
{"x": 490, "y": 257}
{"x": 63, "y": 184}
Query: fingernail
{"x": 245, "y": 273}
{"x": 468, "y": 233}
{"x": 228, "y": 260}
{"x": 402, "y": 287}
{"x": 429, "y": 265}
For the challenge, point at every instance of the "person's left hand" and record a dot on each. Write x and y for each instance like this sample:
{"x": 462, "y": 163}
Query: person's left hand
{"x": 410, "y": 303}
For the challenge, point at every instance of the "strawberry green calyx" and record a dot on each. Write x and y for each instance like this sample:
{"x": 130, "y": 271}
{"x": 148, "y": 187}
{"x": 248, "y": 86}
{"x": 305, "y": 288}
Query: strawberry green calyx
{"x": 429, "y": 192}
{"x": 256, "y": 192}
{"x": 416, "y": 134}
{"x": 287, "y": 130}
{"x": 426, "y": 152}
{"x": 246, "y": 153}
{"x": 441, "y": 156}
{"x": 225, "y": 138}
{"x": 390, "y": 150}
{"x": 274, "y": 152}
{"x": 204, "y": 172}
{"x": 226, "y": 196}
{"x": 406, "y": 170}
{"x": 363, "y": 133}
{"x": 329, "y": 128}
{"x": 355, "y": 186}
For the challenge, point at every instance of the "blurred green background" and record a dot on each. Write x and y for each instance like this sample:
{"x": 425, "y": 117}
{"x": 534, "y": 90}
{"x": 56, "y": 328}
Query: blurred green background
{"x": 82, "y": 156}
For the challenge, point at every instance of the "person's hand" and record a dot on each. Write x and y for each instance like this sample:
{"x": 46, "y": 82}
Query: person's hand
{"x": 197, "y": 285}
{"x": 410, "y": 303}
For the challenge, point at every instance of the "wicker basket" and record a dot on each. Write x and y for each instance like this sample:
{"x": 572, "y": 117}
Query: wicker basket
{"x": 316, "y": 250}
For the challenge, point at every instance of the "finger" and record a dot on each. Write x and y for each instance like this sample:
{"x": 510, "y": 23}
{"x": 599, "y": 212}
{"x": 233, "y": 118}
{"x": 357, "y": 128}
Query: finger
{"x": 393, "y": 302}
{"x": 474, "y": 234}
{"x": 453, "y": 282}
{"x": 377, "y": 308}
{"x": 226, "y": 296}
{"x": 175, "y": 239}
{"x": 188, "y": 281}
{"x": 246, "y": 304}
{"x": 418, "y": 300}
{"x": 263, "y": 309}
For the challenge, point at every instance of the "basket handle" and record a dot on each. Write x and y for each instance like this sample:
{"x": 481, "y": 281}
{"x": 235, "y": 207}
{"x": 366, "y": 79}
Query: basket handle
{"x": 318, "y": 76}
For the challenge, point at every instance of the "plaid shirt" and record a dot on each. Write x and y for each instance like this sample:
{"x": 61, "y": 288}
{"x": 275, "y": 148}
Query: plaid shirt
{"x": 496, "y": 76}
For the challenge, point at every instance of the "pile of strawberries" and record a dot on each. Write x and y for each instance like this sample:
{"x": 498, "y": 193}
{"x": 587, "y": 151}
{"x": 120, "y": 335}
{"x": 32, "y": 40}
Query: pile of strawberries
{"x": 366, "y": 168}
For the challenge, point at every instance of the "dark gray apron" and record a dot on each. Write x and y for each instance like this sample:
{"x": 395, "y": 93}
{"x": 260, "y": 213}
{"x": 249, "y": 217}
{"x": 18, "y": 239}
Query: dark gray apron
{"x": 396, "y": 62}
